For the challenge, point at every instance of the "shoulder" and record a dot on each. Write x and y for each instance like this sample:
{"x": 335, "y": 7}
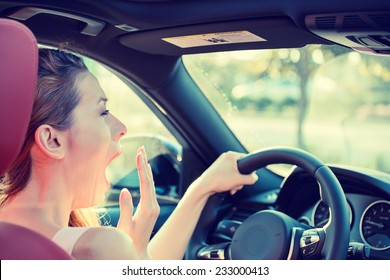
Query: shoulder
{"x": 99, "y": 243}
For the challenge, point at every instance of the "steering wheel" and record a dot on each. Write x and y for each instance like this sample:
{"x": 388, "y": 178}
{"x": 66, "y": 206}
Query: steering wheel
{"x": 270, "y": 234}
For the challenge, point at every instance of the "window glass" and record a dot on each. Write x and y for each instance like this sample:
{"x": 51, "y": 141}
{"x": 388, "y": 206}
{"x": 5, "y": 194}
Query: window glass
{"x": 328, "y": 100}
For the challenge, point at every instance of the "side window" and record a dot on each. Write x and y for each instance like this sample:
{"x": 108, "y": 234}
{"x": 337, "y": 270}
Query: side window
{"x": 144, "y": 128}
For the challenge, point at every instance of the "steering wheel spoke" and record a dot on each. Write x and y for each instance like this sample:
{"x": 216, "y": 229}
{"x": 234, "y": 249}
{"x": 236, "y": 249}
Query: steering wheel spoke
{"x": 219, "y": 251}
{"x": 311, "y": 243}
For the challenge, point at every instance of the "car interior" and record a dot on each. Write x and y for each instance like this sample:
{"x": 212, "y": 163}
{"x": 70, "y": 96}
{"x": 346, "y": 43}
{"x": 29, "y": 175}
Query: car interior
{"x": 316, "y": 209}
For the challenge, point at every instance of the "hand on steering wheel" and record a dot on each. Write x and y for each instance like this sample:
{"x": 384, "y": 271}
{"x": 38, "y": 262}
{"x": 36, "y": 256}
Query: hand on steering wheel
{"x": 223, "y": 175}
{"x": 271, "y": 234}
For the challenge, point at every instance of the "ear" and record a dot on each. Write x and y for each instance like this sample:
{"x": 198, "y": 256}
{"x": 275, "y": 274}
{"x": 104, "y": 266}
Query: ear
{"x": 50, "y": 141}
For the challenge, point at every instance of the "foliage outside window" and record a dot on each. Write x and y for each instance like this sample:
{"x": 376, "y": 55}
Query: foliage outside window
{"x": 328, "y": 100}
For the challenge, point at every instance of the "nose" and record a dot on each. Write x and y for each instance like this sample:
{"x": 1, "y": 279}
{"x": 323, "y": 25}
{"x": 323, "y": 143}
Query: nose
{"x": 118, "y": 128}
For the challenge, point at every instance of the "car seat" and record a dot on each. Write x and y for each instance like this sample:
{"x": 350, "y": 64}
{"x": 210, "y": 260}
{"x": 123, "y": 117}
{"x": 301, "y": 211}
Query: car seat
{"x": 18, "y": 76}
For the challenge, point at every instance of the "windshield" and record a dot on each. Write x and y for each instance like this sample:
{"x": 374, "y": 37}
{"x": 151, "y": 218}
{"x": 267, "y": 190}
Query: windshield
{"x": 328, "y": 100}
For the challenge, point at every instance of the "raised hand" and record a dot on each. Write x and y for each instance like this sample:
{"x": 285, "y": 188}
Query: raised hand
{"x": 139, "y": 227}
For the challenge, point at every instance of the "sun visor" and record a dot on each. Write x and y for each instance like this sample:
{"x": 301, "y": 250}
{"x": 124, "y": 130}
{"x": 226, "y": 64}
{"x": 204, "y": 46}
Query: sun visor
{"x": 221, "y": 36}
{"x": 364, "y": 32}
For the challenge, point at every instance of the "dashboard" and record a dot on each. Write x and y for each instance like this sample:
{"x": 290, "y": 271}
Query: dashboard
{"x": 367, "y": 193}
{"x": 369, "y": 219}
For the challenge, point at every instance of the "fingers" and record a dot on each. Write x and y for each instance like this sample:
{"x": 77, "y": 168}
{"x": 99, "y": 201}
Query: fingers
{"x": 251, "y": 178}
{"x": 126, "y": 210}
{"x": 245, "y": 180}
{"x": 235, "y": 189}
{"x": 147, "y": 189}
{"x": 248, "y": 179}
{"x": 140, "y": 225}
{"x": 224, "y": 175}
{"x": 148, "y": 202}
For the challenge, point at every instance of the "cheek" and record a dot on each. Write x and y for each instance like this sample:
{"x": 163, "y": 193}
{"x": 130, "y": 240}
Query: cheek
{"x": 100, "y": 141}
{"x": 91, "y": 141}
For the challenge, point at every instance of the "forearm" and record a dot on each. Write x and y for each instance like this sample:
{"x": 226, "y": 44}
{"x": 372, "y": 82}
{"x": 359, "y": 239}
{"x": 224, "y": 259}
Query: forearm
{"x": 171, "y": 241}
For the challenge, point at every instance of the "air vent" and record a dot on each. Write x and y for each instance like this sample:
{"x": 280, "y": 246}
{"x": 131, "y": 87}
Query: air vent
{"x": 381, "y": 20}
{"x": 326, "y": 22}
{"x": 354, "y": 22}
{"x": 363, "y": 32}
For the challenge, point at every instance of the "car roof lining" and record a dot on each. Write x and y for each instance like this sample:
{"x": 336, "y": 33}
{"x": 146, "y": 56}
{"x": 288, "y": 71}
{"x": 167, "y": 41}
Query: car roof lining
{"x": 149, "y": 61}
{"x": 278, "y": 31}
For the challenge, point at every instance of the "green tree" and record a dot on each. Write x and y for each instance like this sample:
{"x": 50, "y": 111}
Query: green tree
{"x": 300, "y": 65}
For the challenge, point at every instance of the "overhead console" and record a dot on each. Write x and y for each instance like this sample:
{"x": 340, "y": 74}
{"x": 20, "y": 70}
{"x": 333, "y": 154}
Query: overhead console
{"x": 364, "y": 32}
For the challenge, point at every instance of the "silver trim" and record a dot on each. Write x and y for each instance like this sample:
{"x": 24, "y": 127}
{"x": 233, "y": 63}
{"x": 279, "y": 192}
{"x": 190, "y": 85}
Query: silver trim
{"x": 306, "y": 219}
{"x": 205, "y": 253}
{"x": 330, "y": 214}
{"x": 290, "y": 252}
{"x": 313, "y": 239}
{"x": 361, "y": 224}
{"x": 126, "y": 27}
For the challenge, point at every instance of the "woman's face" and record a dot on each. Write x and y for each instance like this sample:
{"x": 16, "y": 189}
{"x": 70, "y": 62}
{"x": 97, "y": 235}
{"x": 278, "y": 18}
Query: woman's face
{"x": 93, "y": 142}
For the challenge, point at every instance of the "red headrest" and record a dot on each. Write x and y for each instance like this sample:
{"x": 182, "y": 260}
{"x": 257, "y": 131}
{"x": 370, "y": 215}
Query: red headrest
{"x": 20, "y": 243}
{"x": 18, "y": 76}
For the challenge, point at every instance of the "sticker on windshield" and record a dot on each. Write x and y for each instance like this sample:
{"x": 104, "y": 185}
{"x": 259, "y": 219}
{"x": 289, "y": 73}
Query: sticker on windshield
{"x": 211, "y": 39}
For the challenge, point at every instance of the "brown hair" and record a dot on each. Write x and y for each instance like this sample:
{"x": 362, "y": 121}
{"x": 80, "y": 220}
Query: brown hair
{"x": 56, "y": 97}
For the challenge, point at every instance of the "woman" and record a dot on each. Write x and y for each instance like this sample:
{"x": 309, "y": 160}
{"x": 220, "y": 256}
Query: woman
{"x": 71, "y": 139}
